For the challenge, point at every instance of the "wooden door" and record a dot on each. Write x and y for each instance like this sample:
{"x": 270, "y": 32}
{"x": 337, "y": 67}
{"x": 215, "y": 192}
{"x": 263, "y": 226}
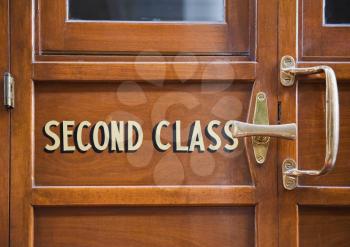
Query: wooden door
{"x": 317, "y": 212}
{"x": 72, "y": 69}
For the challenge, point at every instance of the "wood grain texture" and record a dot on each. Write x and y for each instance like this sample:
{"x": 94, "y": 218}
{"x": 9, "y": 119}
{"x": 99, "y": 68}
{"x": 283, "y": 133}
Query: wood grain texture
{"x": 287, "y": 29}
{"x": 144, "y": 69}
{"x": 326, "y": 196}
{"x": 57, "y": 35}
{"x": 176, "y": 57}
{"x": 148, "y": 104}
{"x": 21, "y": 214}
{"x": 323, "y": 223}
{"x": 148, "y": 227}
{"x": 5, "y": 129}
{"x": 312, "y": 134}
{"x": 324, "y": 226}
{"x": 98, "y": 204}
{"x": 145, "y": 195}
{"x": 266, "y": 175}
{"x": 319, "y": 41}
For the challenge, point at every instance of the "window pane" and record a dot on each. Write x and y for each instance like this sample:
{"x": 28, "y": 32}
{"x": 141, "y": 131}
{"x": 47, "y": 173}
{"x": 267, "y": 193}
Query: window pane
{"x": 337, "y": 11}
{"x": 148, "y": 10}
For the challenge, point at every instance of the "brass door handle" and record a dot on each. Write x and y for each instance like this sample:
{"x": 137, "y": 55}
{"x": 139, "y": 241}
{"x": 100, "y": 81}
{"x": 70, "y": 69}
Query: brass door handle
{"x": 286, "y": 131}
{"x": 288, "y": 73}
{"x": 261, "y": 131}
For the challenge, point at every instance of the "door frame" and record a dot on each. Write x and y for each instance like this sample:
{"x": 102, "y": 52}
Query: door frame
{"x": 5, "y": 116}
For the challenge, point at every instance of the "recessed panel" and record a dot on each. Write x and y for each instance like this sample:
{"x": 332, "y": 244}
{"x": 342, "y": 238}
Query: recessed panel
{"x": 323, "y": 30}
{"x": 146, "y": 227}
{"x": 324, "y": 226}
{"x": 140, "y": 133}
{"x": 148, "y": 10}
{"x": 312, "y": 138}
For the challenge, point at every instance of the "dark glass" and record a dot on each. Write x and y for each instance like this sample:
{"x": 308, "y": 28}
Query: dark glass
{"x": 147, "y": 10}
{"x": 337, "y": 11}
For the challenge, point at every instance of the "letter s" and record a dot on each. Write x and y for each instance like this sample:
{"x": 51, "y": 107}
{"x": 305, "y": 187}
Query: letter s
{"x": 233, "y": 142}
{"x": 213, "y": 137}
{"x": 52, "y": 136}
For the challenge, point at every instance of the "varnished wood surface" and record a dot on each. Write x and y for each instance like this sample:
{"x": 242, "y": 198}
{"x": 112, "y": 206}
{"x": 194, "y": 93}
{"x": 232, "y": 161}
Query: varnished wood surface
{"x": 145, "y": 195}
{"x": 143, "y": 69}
{"x": 287, "y": 214}
{"x": 4, "y": 129}
{"x": 55, "y": 34}
{"x": 148, "y": 104}
{"x": 265, "y": 176}
{"x": 312, "y": 134}
{"x": 317, "y": 40}
{"x": 325, "y": 196}
{"x": 324, "y": 227}
{"x": 148, "y": 227}
{"x": 177, "y": 57}
{"x": 21, "y": 212}
{"x": 329, "y": 196}
{"x": 317, "y": 212}
{"x": 35, "y": 226}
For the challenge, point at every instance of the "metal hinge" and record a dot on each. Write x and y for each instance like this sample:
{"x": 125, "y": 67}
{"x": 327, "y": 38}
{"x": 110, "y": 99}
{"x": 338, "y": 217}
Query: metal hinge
{"x": 9, "y": 91}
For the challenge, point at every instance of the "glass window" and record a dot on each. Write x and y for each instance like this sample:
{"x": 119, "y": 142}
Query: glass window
{"x": 337, "y": 11}
{"x": 148, "y": 10}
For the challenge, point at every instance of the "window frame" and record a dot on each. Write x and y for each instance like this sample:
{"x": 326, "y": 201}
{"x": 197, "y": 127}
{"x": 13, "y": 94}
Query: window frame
{"x": 57, "y": 35}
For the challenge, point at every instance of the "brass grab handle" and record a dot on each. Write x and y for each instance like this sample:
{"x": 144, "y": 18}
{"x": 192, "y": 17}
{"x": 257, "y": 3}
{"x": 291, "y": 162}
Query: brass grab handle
{"x": 288, "y": 73}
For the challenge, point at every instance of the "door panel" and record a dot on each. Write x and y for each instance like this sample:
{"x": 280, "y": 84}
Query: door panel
{"x": 66, "y": 197}
{"x": 318, "y": 39}
{"x": 156, "y": 226}
{"x": 147, "y": 104}
{"x": 331, "y": 225}
{"x": 316, "y": 212}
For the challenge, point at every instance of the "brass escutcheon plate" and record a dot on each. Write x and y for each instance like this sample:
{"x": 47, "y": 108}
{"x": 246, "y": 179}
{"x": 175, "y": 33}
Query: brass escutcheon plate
{"x": 261, "y": 116}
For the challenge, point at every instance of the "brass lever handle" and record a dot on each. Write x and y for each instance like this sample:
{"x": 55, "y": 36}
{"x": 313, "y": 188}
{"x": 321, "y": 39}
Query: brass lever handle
{"x": 286, "y": 131}
{"x": 260, "y": 130}
{"x": 288, "y": 74}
